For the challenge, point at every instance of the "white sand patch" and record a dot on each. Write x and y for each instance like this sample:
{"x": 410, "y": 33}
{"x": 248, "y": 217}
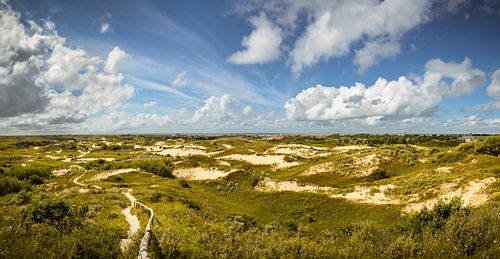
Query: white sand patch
{"x": 276, "y": 160}
{"x": 369, "y": 194}
{"x": 82, "y": 153}
{"x": 200, "y": 173}
{"x": 58, "y": 151}
{"x": 36, "y": 148}
{"x": 361, "y": 194}
{"x": 61, "y": 171}
{"x": 183, "y": 151}
{"x": 363, "y": 166}
{"x": 349, "y": 148}
{"x": 299, "y": 150}
{"x": 472, "y": 194}
{"x": 55, "y": 157}
{"x": 82, "y": 190}
{"x": 321, "y": 168}
{"x": 227, "y": 146}
{"x": 224, "y": 163}
{"x": 443, "y": 169}
{"x": 111, "y": 173}
{"x": 191, "y": 146}
{"x": 269, "y": 185}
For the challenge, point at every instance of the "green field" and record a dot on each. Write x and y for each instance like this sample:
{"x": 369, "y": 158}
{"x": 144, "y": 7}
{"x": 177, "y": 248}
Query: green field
{"x": 327, "y": 196}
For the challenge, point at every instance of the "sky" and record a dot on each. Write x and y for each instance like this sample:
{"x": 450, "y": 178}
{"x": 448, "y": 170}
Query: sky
{"x": 359, "y": 66}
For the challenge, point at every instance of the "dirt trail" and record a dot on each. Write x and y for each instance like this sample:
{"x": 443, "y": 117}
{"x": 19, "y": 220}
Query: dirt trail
{"x": 133, "y": 221}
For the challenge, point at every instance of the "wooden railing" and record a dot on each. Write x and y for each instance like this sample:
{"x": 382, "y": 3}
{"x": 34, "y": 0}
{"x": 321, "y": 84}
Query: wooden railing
{"x": 143, "y": 248}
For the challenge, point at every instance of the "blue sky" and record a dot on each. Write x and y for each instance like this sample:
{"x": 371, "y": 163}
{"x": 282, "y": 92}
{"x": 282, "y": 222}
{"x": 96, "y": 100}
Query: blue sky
{"x": 250, "y": 66}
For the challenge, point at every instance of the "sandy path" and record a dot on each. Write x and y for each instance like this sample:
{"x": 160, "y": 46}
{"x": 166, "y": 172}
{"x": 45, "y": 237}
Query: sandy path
{"x": 132, "y": 220}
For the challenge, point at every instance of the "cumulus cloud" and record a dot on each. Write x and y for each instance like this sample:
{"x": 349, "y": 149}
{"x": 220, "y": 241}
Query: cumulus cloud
{"x": 466, "y": 78}
{"x": 150, "y": 104}
{"x": 114, "y": 57}
{"x": 402, "y": 98}
{"x": 45, "y": 82}
{"x": 261, "y": 46}
{"x": 333, "y": 28}
{"x": 494, "y": 88}
{"x": 218, "y": 109}
{"x": 105, "y": 28}
{"x": 180, "y": 80}
{"x": 372, "y": 52}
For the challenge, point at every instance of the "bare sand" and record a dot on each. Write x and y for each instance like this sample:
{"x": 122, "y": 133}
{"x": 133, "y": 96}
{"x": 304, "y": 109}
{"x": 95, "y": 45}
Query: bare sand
{"x": 369, "y": 194}
{"x": 200, "y": 173}
{"x": 276, "y": 160}
{"x": 269, "y": 185}
{"x": 299, "y": 150}
{"x": 472, "y": 194}
{"x": 111, "y": 173}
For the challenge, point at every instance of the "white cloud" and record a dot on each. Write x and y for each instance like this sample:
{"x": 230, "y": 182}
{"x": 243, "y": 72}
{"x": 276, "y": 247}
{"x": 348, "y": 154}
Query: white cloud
{"x": 385, "y": 99}
{"x": 180, "y": 80}
{"x": 114, "y": 56}
{"x": 335, "y": 26}
{"x": 218, "y": 109}
{"x": 485, "y": 107}
{"x": 494, "y": 88}
{"x": 105, "y": 28}
{"x": 373, "y": 51}
{"x": 261, "y": 46}
{"x": 466, "y": 78}
{"x": 150, "y": 104}
{"x": 46, "y": 83}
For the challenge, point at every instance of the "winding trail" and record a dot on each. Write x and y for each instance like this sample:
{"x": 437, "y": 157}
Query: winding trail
{"x": 132, "y": 220}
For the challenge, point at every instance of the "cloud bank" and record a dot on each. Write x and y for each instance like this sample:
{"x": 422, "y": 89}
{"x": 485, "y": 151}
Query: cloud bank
{"x": 387, "y": 99}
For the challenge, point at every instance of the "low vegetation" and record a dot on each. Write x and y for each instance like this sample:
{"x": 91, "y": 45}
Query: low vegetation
{"x": 47, "y": 215}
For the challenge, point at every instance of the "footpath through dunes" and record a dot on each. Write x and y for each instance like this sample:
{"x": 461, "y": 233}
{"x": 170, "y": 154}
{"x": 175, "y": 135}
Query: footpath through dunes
{"x": 472, "y": 194}
{"x": 132, "y": 219}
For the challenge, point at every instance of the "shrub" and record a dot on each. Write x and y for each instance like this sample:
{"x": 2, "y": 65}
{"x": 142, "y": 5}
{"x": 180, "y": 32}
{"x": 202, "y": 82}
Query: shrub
{"x": 57, "y": 213}
{"x": 432, "y": 219}
{"x": 10, "y": 185}
{"x": 163, "y": 168}
{"x": 378, "y": 174}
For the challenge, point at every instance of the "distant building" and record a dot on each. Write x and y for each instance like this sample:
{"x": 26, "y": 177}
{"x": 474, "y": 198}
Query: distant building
{"x": 467, "y": 138}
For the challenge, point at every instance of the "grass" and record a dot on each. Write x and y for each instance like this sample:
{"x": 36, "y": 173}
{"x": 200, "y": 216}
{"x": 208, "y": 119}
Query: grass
{"x": 227, "y": 217}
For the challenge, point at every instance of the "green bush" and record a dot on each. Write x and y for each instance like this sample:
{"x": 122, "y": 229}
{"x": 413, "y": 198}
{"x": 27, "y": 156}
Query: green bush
{"x": 57, "y": 213}
{"x": 10, "y": 185}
